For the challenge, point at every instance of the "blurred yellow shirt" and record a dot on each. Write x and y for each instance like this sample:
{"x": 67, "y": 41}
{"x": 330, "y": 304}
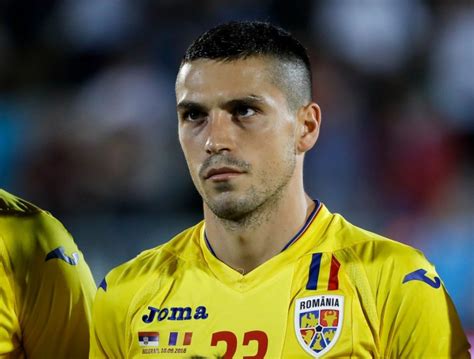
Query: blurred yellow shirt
{"x": 334, "y": 291}
{"x": 46, "y": 288}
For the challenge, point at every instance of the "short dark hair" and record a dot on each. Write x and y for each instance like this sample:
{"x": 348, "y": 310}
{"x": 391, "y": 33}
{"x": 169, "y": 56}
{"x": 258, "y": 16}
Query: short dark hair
{"x": 237, "y": 40}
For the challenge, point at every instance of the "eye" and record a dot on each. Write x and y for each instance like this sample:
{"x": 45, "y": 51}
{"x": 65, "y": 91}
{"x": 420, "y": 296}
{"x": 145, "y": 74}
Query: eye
{"x": 193, "y": 115}
{"x": 244, "y": 111}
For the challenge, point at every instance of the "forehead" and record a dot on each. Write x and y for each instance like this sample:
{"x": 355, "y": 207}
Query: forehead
{"x": 208, "y": 80}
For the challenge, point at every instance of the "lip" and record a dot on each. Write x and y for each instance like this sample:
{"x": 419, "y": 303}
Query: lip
{"x": 222, "y": 174}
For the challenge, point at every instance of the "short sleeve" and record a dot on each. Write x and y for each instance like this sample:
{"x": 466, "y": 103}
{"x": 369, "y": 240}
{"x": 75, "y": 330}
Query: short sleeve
{"x": 54, "y": 290}
{"x": 418, "y": 318}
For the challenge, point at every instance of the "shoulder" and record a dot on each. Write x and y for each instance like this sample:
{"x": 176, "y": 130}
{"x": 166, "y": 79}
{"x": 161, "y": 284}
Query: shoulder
{"x": 369, "y": 248}
{"x": 381, "y": 260}
{"x": 43, "y": 265}
{"x": 13, "y": 205}
{"x": 27, "y": 231}
{"x": 155, "y": 263}
{"x": 378, "y": 253}
{"x": 20, "y": 216}
{"x": 401, "y": 293}
{"x": 128, "y": 286}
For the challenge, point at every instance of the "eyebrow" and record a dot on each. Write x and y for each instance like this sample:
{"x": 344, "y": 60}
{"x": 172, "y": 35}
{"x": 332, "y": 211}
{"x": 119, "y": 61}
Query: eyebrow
{"x": 188, "y": 105}
{"x": 250, "y": 99}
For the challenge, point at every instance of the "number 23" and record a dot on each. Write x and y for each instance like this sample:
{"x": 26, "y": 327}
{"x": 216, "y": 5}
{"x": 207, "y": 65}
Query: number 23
{"x": 231, "y": 340}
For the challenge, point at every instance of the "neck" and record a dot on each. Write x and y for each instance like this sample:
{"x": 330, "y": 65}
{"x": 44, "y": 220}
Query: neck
{"x": 245, "y": 244}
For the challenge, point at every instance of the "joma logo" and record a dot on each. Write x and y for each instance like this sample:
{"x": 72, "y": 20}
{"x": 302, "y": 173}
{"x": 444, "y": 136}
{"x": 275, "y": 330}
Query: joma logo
{"x": 174, "y": 313}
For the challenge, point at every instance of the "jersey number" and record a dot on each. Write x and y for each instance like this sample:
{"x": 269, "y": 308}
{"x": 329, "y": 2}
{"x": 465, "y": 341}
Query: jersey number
{"x": 231, "y": 340}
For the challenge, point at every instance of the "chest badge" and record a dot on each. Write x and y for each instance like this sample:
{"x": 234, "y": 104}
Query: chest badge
{"x": 318, "y": 322}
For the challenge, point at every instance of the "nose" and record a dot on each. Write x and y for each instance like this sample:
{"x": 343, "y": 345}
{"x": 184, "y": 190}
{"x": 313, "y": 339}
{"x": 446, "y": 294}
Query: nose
{"x": 219, "y": 135}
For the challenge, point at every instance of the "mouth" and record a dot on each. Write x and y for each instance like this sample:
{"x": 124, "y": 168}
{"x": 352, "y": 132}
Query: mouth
{"x": 222, "y": 174}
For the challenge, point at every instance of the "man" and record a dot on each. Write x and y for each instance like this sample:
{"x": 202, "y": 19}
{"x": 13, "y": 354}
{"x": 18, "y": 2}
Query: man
{"x": 269, "y": 273}
{"x": 46, "y": 288}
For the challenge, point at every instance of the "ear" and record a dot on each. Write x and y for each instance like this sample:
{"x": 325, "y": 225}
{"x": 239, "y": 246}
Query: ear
{"x": 309, "y": 121}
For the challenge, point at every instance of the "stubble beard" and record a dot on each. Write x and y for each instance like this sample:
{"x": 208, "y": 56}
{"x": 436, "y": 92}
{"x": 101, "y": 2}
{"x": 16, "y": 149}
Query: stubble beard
{"x": 255, "y": 206}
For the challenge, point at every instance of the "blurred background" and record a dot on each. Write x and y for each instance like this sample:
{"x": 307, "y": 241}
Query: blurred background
{"x": 88, "y": 126}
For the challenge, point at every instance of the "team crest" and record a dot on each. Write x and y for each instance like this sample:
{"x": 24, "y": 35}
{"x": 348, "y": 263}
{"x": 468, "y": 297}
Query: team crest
{"x": 318, "y": 322}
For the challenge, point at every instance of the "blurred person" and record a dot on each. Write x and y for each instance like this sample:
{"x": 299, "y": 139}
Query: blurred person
{"x": 394, "y": 30}
{"x": 109, "y": 144}
{"x": 269, "y": 272}
{"x": 419, "y": 156}
{"x": 451, "y": 79}
{"x": 46, "y": 287}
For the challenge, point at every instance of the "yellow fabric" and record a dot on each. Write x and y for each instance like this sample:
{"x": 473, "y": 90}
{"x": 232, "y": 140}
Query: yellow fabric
{"x": 45, "y": 305}
{"x": 147, "y": 305}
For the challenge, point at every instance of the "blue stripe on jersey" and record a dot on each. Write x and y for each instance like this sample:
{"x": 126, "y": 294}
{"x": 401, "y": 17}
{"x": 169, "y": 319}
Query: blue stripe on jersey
{"x": 209, "y": 245}
{"x": 314, "y": 271}
{"x": 103, "y": 285}
{"x": 305, "y": 226}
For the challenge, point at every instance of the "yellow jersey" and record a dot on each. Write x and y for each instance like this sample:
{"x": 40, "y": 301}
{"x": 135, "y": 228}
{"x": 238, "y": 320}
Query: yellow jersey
{"x": 334, "y": 291}
{"x": 46, "y": 288}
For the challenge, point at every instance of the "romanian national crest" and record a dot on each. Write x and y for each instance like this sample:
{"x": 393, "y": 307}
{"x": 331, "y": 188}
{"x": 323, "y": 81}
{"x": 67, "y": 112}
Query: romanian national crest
{"x": 318, "y": 322}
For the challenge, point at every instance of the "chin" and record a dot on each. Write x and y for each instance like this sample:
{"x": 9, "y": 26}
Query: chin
{"x": 230, "y": 207}
{"x": 226, "y": 209}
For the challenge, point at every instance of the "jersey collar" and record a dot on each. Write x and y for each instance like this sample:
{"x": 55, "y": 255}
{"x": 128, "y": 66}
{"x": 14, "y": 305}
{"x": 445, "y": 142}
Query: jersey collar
{"x": 297, "y": 236}
{"x": 305, "y": 240}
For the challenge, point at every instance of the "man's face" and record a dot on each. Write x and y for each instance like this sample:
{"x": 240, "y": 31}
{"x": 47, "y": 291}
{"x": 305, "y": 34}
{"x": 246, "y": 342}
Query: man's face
{"x": 236, "y": 132}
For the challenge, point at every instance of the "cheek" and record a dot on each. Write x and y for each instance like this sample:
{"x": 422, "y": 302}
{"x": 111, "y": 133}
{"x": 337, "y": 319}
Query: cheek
{"x": 195, "y": 156}
{"x": 192, "y": 161}
{"x": 192, "y": 140}
{"x": 188, "y": 149}
{"x": 278, "y": 155}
